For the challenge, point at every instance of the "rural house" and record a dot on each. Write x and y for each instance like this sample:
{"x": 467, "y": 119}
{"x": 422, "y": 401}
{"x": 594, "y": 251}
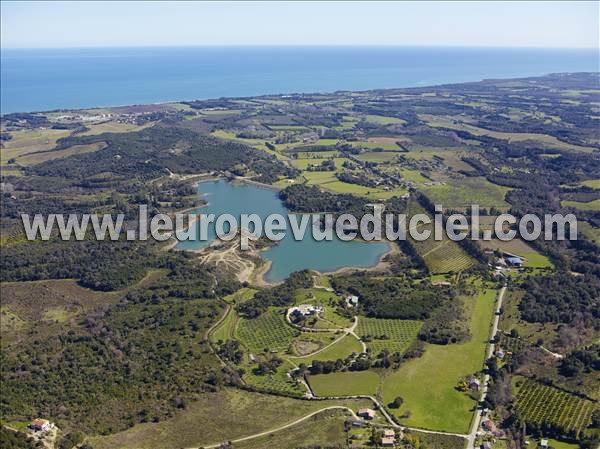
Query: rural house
{"x": 352, "y": 300}
{"x": 39, "y": 424}
{"x": 387, "y": 441}
{"x": 366, "y": 413}
{"x": 474, "y": 383}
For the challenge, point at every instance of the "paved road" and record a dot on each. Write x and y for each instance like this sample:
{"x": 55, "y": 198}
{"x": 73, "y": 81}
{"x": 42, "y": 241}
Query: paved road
{"x": 490, "y": 351}
{"x": 335, "y": 407}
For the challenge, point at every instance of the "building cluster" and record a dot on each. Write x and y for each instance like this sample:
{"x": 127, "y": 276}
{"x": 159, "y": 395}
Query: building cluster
{"x": 305, "y": 310}
{"x": 388, "y": 438}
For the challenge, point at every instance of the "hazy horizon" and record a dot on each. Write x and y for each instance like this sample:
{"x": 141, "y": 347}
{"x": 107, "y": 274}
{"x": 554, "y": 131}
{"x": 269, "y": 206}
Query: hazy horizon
{"x": 536, "y": 24}
{"x": 440, "y": 46}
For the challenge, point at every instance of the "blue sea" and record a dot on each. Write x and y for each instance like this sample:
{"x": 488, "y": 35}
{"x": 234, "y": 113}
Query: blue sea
{"x": 41, "y": 80}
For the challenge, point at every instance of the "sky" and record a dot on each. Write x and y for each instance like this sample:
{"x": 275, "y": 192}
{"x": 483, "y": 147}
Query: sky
{"x": 49, "y": 24}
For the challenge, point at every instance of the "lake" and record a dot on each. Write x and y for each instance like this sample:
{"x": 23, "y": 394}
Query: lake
{"x": 41, "y": 80}
{"x": 288, "y": 255}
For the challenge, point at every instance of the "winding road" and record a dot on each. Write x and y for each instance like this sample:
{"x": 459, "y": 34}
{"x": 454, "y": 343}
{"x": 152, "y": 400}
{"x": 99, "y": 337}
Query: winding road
{"x": 285, "y": 426}
{"x": 471, "y": 437}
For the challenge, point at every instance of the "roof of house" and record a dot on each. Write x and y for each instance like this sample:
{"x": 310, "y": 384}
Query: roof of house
{"x": 366, "y": 411}
{"x": 39, "y": 423}
{"x": 489, "y": 424}
{"x": 389, "y": 433}
{"x": 514, "y": 260}
{"x": 387, "y": 440}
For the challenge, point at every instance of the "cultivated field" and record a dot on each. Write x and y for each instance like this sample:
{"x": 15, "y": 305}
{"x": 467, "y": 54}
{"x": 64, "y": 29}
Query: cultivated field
{"x": 542, "y": 405}
{"x": 440, "y": 256}
{"x": 36, "y": 158}
{"x": 591, "y": 205}
{"x": 453, "y": 123}
{"x": 30, "y": 141}
{"x": 345, "y": 383}
{"x": 464, "y": 192}
{"x": 391, "y": 335}
{"x": 268, "y": 331}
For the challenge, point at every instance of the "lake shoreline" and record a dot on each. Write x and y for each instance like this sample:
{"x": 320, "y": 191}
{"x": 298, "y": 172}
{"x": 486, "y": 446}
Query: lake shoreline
{"x": 261, "y": 271}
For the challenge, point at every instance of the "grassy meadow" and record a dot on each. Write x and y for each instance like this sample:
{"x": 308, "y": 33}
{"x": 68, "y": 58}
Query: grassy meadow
{"x": 427, "y": 383}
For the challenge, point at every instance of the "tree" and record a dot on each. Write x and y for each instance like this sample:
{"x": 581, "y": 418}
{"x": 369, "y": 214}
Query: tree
{"x": 396, "y": 403}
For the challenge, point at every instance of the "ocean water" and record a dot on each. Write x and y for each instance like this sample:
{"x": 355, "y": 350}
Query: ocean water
{"x": 288, "y": 255}
{"x": 41, "y": 80}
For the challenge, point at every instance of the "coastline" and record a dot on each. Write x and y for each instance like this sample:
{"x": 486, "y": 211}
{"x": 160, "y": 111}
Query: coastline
{"x": 389, "y": 75}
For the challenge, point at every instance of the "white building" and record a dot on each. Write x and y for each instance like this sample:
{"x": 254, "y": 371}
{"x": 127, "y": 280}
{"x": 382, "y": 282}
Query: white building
{"x": 39, "y": 424}
{"x": 306, "y": 310}
{"x": 352, "y": 300}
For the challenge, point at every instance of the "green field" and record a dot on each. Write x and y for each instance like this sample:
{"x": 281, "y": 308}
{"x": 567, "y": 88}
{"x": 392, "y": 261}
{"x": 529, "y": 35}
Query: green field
{"x": 338, "y": 350}
{"x": 593, "y": 183}
{"x": 461, "y": 193}
{"x": 276, "y": 383}
{"x": 412, "y": 175}
{"x": 591, "y": 205}
{"x": 589, "y": 231}
{"x": 384, "y": 143}
{"x": 378, "y": 156}
{"x": 28, "y": 141}
{"x": 400, "y": 333}
{"x": 226, "y": 328}
{"x": 383, "y": 120}
{"x": 427, "y": 383}
{"x": 217, "y": 417}
{"x": 347, "y": 124}
{"x": 319, "y": 177}
{"x": 241, "y": 295}
{"x": 345, "y": 383}
{"x": 303, "y": 164}
{"x": 37, "y": 158}
{"x": 533, "y": 259}
{"x": 316, "y": 155}
{"x": 369, "y": 192}
{"x": 325, "y": 428}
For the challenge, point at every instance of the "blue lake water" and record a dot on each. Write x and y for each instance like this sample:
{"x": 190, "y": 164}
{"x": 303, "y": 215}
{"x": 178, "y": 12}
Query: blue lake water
{"x": 288, "y": 255}
{"x": 39, "y": 80}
